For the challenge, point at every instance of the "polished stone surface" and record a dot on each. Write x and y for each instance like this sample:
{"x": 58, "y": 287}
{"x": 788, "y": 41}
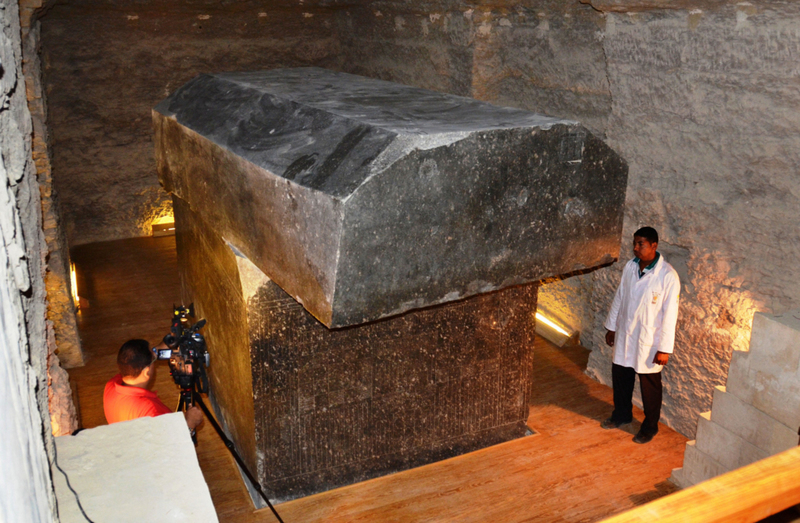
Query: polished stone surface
{"x": 363, "y": 199}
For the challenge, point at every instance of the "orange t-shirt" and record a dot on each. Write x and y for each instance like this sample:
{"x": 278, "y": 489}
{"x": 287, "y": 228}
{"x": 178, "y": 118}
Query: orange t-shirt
{"x": 122, "y": 402}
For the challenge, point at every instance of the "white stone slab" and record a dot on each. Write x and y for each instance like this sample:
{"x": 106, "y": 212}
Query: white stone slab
{"x": 750, "y": 424}
{"x": 697, "y": 467}
{"x": 738, "y": 374}
{"x": 678, "y": 479}
{"x": 725, "y": 447}
{"x": 771, "y": 380}
{"x": 144, "y": 470}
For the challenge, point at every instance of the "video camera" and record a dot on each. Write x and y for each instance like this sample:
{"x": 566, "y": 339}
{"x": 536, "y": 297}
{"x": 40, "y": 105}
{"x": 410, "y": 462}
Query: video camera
{"x": 188, "y": 358}
{"x": 187, "y": 353}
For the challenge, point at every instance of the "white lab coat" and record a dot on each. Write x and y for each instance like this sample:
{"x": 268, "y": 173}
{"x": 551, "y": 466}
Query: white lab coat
{"x": 643, "y": 315}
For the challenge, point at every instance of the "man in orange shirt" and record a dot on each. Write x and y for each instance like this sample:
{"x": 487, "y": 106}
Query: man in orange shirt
{"x": 128, "y": 396}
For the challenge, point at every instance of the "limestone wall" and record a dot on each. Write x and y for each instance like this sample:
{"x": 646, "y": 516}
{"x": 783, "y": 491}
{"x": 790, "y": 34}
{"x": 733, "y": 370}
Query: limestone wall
{"x": 705, "y": 112}
{"x": 26, "y": 491}
{"x": 566, "y": 301}
{"x": 543, "y": 55}
{"x": 63, "y": 342}
{"x": 108, "y": 63}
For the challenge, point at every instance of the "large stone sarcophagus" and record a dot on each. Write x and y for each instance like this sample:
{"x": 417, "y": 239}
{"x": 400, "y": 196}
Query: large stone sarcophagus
{"x": 366, "y": 254}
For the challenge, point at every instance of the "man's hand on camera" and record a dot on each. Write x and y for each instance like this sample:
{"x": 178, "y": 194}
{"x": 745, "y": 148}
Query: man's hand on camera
{"x": 194, "y": 416}
{"x": 610, "y": 335}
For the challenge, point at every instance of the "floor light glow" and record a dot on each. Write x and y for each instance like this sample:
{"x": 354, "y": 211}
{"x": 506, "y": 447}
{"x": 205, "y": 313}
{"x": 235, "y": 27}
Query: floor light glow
{"x": 549, "y": 323}
{"x": 73, "y": 283}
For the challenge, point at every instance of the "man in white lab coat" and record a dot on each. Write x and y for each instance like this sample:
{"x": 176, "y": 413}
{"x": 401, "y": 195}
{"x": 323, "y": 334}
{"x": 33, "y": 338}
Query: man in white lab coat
{"x": 641, "y": 328}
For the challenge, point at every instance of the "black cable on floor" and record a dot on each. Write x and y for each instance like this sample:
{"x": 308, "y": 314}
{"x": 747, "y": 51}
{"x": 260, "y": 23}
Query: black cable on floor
{"x": 77, "y": 499}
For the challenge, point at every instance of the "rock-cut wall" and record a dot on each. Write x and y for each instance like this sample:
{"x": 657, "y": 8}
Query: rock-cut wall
{"x": 63, "y": 342}
{"x": 26, "y": 491}
{"x": 108, "y": 63}
{"x": 545, "y": 56}
{"x": 705, "y": 112}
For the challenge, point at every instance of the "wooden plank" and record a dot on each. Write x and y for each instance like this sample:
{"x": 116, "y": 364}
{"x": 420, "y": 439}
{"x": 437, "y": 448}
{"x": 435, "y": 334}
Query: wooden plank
{"x": 743, "y": 495}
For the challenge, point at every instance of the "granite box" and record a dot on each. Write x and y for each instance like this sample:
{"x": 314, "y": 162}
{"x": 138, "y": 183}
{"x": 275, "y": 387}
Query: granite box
{"x": 366, "y": 254}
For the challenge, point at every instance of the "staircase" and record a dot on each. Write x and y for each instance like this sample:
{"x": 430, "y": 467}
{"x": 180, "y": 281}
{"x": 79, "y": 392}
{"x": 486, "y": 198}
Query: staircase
{"x": 757, "y": 414}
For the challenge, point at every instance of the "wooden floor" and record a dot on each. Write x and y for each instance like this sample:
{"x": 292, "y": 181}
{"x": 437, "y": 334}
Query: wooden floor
{"x": 571, "y": 470}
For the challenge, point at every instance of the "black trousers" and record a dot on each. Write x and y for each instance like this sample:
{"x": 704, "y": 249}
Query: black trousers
{"x": 623, "y": 379}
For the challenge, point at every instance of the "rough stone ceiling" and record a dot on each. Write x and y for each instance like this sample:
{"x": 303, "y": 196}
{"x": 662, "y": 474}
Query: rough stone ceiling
{"x": 625, "y": 6}
{"x": 164, "y": 7}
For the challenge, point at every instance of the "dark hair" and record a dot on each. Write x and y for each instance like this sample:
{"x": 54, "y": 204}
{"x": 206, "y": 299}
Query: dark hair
{"x": 133, "y": 357}
{"x": 648, "y": 233}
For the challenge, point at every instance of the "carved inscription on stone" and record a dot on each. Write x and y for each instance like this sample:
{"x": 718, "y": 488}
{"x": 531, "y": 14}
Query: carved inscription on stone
{"x": 338, "y": 405}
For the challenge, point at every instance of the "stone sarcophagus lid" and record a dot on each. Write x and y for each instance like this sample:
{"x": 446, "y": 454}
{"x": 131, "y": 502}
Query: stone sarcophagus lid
{"x": 366, "y": 254}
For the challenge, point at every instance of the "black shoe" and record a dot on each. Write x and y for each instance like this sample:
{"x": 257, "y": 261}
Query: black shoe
{"x": 611, "y": 424}
{"x": 643, "y": 438}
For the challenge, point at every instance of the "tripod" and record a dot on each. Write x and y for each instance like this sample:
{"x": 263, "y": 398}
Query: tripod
{"x": 190, "y": 397}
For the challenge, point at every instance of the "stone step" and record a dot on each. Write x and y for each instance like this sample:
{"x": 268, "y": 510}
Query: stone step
{"x": 723, "y": 446}
{"x": 697, "y": 467}
{"x": 756, "y": 414}
{"x": 768, "y": 376}
{"x": 677, "y": 478}
{"x": 750, "y": 424}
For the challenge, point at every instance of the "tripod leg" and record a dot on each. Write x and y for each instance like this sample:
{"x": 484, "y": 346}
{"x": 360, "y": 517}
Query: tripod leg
{"x": 183, "y": 405}
{"x": 198, "y": 400}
